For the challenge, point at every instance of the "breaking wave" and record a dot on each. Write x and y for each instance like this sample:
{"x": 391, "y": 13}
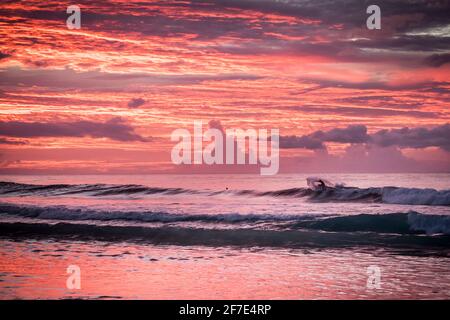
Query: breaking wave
{"x": 395, "y": 223}
{"x": 185, "y": 236}
{"x": 391, "y": 195}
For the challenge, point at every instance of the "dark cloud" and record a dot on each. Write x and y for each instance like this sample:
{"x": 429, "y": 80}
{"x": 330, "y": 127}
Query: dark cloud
{"x": 350, "y": 12}
{"x": 351, "y": 134}
{"x": 407, "y": 29}
{"x": 414, "y": 137}
{"x": 115, "y": 129}
{"x": 437, "y": 60}
{"x": 136, "y": 102}
{"x": 410, "y": 25}
{"x": 357, "y": 134}
{"x": 4, "y": 55}
{"x": 316, "y": 140}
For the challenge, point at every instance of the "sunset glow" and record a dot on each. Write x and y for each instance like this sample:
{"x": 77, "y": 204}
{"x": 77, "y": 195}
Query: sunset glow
{"x": 105, "y": 98}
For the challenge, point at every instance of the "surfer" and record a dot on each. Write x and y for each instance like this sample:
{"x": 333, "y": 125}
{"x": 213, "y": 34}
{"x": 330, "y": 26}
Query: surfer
{"x": 321, "y": 185}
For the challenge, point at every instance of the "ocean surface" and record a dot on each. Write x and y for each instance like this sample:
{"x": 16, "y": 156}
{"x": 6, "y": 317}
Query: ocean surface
{"x": 225, "y": 236}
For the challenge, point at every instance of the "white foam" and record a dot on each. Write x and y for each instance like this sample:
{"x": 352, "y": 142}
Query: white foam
{"x": 414, "y": 196}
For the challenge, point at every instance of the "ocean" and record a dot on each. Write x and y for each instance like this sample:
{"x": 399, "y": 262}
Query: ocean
{"x": 225, "y": 236}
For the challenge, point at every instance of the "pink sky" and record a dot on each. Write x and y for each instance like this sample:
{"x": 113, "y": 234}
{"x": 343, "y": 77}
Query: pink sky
{"x": 105, "y": 98}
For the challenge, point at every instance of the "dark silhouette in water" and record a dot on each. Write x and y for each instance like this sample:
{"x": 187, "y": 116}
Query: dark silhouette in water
{"x": 321, "y": 186}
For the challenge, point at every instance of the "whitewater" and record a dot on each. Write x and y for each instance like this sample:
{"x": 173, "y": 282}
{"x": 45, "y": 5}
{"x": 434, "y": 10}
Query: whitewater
{"x": 180, "y": 210}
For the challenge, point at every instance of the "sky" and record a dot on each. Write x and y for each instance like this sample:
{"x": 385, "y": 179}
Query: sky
{"x": 105, "y": 98}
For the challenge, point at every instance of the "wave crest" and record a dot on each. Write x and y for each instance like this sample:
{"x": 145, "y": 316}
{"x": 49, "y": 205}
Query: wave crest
{"x": 398, "y": 223}
{"x": 391, "y": 195}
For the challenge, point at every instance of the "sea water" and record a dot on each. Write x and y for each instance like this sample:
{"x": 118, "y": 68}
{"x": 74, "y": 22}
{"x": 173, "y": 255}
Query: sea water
{"x": 225, "y": 236}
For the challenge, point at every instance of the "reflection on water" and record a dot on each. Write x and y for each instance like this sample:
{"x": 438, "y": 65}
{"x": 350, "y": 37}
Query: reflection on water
{"x": 37, "y": 269}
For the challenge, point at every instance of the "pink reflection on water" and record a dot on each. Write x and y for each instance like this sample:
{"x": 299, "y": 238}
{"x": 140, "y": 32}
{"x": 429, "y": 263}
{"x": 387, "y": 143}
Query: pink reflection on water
{"x": 36, "y": 269}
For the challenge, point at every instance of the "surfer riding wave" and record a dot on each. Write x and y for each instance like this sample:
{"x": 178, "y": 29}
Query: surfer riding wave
{"x": 320, "y": 184}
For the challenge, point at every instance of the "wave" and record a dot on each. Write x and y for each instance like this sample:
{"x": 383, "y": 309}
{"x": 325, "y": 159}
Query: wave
{"x": 391, "y": 195}
{"x": 398, "y": 223}
{"x": 23, "y": 189}
{"x": 221, "y": 237}
{"x": 64, "y": 213}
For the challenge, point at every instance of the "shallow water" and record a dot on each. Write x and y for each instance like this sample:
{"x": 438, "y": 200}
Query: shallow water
{"x": 37, "y": 269}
